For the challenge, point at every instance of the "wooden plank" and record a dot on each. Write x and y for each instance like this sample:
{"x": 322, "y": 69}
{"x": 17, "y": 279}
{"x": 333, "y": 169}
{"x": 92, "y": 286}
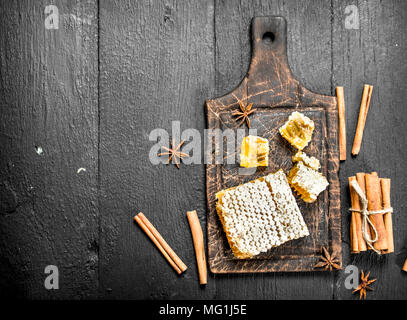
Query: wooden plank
{"x": 375, "y": 54}
{"x": 157, "y": 66}
{"x": 309, "y": 55}
{"x": 48, "y": 99}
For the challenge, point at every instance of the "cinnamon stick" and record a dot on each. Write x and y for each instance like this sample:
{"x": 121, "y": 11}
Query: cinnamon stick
{"x": 342, "y": 123}
{"x": 360, "y": 178}
{"x": 354, "y": 241}
{"x": 388, "y": 223}
{"x": 197, "y": 237}
{"x": 373, "y": 194}
{"x": 364, "y": 108}
{"x": 405, "y": 266}
{"x": 353, "y": 235}
{"x": 158, "y": 245}
{"x": 161, "y": 244}
{"x": 353, "y": 238}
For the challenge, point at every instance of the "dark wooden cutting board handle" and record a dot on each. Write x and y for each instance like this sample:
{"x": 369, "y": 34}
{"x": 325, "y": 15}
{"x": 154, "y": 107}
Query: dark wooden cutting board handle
{"x": 269, "y": 71}
{"x": 269, "y": 81}
{"x": 276, "y": 27}
{"x": 269, "y": 42}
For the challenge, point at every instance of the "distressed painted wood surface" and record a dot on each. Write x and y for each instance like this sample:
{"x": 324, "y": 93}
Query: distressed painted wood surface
{"x": 91, "y": 92}
{"x": 270, "y": 86}
{"x": 49, "y": 102}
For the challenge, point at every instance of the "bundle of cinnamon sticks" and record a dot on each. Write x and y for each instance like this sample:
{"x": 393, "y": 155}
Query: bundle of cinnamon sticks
{"x": 380, "y": 228}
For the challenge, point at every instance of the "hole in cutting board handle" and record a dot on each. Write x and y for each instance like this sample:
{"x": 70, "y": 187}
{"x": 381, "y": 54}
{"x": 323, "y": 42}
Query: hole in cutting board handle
{"x": 268, "y": 33}
{"x": 268, "y": 37}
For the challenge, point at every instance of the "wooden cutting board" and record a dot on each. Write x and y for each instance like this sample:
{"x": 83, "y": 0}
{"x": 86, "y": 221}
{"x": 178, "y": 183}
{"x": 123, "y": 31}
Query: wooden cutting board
{"x": 275, "y": 94}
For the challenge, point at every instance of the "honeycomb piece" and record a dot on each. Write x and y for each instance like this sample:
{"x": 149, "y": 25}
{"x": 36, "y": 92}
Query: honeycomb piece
{"x": 254, "y": 152}
{"x": 308, "y": 182}
{"x": 311, "y": 162}
{"x": 298, "y": 130}
{"x": 259, "y": 215}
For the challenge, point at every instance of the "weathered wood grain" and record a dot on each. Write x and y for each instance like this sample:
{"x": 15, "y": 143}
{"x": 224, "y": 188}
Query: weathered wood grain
{"x": 375, "y": 54}
{"x": 48, "y": 99}
{"x": 156, "y": 67}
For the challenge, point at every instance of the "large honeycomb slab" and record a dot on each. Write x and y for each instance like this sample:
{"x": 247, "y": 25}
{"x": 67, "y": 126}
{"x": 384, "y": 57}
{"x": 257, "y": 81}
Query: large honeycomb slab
{"x": 259, "y": 215}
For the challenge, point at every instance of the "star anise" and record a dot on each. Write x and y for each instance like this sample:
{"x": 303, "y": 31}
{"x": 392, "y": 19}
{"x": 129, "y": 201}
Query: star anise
{"x": 364, "y": 285}
{"x": 174, "y": 153}
{"x": 328, "y": 261}
{"x": 244, "y": 113}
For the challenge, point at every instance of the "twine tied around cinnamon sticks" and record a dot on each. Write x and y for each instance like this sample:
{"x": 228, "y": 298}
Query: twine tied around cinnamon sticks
{"x": 365, "y": 214}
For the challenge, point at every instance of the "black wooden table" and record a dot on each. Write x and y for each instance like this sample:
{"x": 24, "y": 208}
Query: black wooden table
{"x": 78, "y": 104}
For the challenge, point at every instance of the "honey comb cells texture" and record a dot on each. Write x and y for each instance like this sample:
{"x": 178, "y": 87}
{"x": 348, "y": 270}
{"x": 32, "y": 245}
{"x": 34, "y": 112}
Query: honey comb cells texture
{"x": 260, "y": 215}
{"x": 308, "y": 182}
{"x": 298, "y": 130}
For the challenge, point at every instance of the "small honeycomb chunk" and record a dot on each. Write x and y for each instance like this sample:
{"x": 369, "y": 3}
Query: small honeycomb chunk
{"x": 298, "y": 130}
{"x": 308, "y": 183}
{"x": 311, "y": 162}
{"x": 259, "y": 215}
{"x": 254, "y": 152}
